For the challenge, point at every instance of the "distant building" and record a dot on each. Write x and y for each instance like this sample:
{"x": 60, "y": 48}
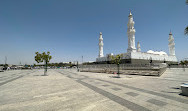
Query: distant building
{"x": 135, "y": 56}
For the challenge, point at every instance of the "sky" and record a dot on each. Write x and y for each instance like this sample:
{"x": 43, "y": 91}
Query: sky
{"x": 70, "y": 29}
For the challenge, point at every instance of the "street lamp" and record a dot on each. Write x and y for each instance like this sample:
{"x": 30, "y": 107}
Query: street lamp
{"x": 82, "y": 62}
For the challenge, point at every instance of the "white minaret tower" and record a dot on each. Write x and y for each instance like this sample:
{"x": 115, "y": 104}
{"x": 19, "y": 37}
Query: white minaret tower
{"x": 131, "y": 34}
{"x": 101, "y": 45}
{"x": 171, "y": 45}
{"x": 138, "y": 47}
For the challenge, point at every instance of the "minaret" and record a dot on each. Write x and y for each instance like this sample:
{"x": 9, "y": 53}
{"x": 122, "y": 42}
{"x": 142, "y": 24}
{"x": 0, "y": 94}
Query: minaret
{"x": 138, "y": 47}
{"x": 101, "y": 45}
{"x": 171, "y": 45}
{"x": 131, "y": 34}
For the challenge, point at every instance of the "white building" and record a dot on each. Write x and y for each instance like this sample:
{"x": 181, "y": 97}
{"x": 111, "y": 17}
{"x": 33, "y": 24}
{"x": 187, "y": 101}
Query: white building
{"x": 135, "y": 56}
{"x": 101, "y": 46}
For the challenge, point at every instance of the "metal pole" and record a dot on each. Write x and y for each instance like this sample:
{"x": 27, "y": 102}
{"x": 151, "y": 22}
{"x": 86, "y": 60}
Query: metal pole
{"x": 77, "y": 67}
{"x": 5, "y": 60}
{"x": 82, "y": 62}
{"x": 5, "y": 63}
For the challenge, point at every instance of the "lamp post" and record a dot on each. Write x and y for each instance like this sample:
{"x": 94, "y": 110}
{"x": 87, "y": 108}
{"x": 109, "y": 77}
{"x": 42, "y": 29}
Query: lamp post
{"x": 82, "y": 62}
{"x": 77, "y": 66}
{"x": 164, "y": 60}
{"x": 5, "y": 66}
{"x": 150, "y": 60}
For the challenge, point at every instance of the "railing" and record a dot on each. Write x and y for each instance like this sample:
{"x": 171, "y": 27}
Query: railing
{"x": 112, "y": 67}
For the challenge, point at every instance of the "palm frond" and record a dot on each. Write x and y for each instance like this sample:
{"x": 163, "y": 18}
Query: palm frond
{"x": 186, "y": 31}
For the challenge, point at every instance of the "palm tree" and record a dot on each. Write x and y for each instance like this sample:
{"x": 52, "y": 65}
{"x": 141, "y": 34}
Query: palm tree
{"x": 186, "y": 30}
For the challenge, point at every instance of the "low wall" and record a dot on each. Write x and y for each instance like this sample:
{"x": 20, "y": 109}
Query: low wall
{"x": 153, "y": 69}
{"x": 177, "y": 66}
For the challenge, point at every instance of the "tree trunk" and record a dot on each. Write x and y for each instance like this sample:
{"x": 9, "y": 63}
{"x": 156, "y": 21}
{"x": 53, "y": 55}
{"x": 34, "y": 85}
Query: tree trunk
{"x": 118, "y": 69}
{"x": 45, "y": 69}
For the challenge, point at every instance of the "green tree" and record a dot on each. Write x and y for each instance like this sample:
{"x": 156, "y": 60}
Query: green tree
{"x": 43, "y": 57}
{"x": 70, "y": 64}
{"x": 116, "y": 60}
{"x": 34, "y": 65}
{"x": 6, "y": 65}
{"x": 184, "y": 62}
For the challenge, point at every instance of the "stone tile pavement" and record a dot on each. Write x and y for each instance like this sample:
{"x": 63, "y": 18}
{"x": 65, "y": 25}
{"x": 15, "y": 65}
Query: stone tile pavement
{"x": 68, "y": 90}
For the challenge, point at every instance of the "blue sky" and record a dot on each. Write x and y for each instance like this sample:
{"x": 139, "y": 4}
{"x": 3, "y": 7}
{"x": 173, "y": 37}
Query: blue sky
{"x": 69, "y": 29}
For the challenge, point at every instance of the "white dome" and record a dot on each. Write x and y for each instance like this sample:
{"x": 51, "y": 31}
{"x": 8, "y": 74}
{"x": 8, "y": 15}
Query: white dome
{"x": 150, "y": 51}
{"x": 156, "y": 52}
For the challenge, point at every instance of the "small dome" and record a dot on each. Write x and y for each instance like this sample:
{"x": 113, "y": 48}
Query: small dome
{"x": 150, "y": 51}
{"x": 156, "y": 52}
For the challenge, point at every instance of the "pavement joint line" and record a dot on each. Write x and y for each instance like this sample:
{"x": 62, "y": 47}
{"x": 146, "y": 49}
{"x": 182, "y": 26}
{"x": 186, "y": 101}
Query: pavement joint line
{"x": 149, "y": 92}
{"x": 128, "y": 104}
{"x": 105, "y": 85}
{"x": 71, "y": 76}
{"x": 11, "y": 80}
{"x": 15, "y": 78}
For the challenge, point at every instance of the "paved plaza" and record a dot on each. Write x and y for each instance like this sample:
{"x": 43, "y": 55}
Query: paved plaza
{"x": 68, "y": 90}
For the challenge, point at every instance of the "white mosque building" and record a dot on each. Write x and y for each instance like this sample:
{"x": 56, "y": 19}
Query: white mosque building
{"x": 134, "y": 55}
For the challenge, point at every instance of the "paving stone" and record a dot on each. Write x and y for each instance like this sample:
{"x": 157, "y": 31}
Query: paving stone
{"x": 157, "y": 102}
{"x": 132, "y": 94}
{"x": 10, "y": 80}
{"x": 105, "y": 85}
{"x": 70, "y": 77}
{"x": 97, "y": 82}
{"x": 116, "y": 89}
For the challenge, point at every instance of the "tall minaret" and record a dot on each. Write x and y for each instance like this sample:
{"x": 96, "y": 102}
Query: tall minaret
{"x": 138, "y": 47}
{"x": 131, "y": 34}
{"x": 171, "y": 45}
{"x": 101, "y": 45}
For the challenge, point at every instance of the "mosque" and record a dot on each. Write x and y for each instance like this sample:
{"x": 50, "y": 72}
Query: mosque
{"x": 134, "y": 55}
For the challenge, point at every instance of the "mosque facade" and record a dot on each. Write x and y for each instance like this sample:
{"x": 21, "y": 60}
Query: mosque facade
{"x": 134, "y": 54}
